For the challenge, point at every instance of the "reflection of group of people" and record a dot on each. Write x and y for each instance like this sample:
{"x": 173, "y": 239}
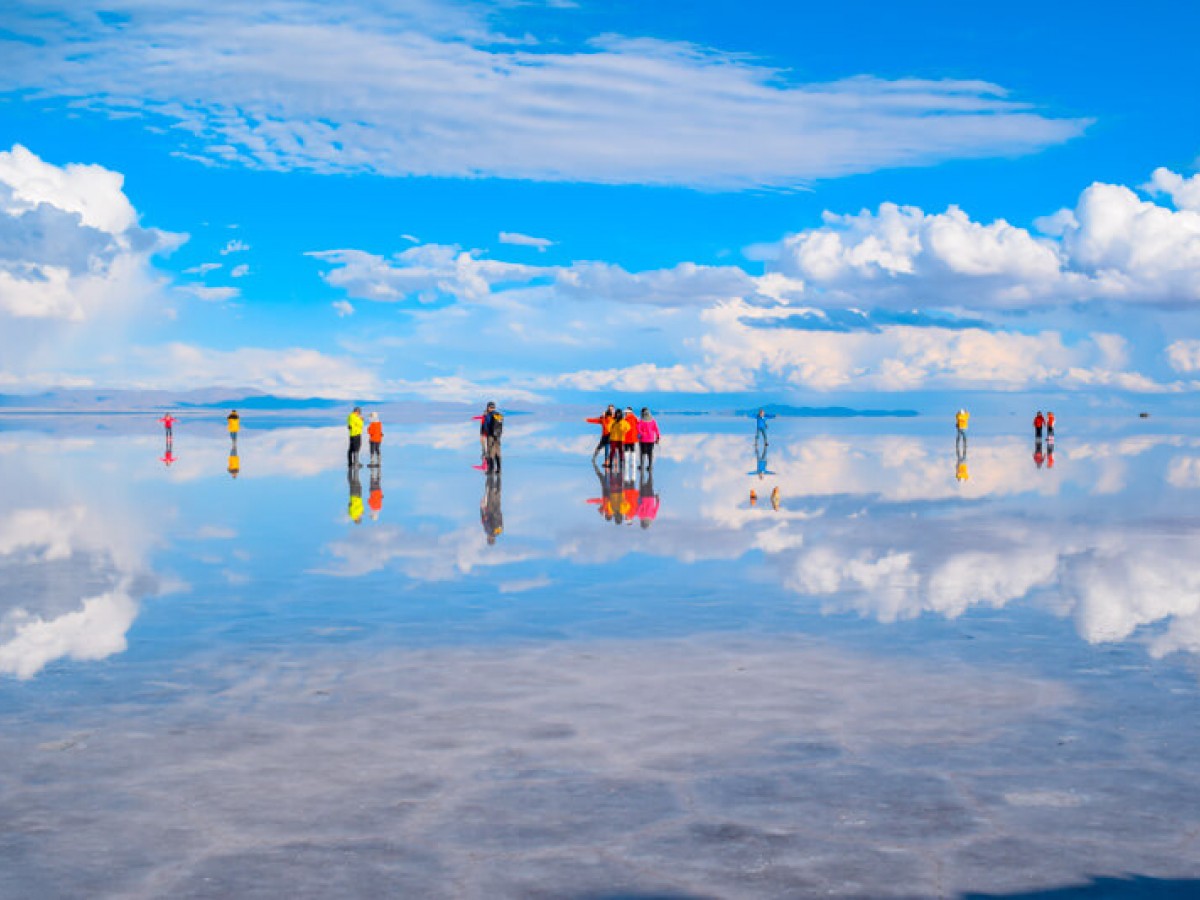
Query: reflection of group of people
{"x": 626, "y": 439}
{"x": 234, "y": 424}
{"x": 621, "y": 502}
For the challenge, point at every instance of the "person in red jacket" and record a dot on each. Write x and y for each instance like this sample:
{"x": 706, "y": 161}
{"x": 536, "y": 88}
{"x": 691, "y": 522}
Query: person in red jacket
{"x": 1039, "y": 422}
{"x": 1050, "y": 425}
{"x": 375, "y": 439}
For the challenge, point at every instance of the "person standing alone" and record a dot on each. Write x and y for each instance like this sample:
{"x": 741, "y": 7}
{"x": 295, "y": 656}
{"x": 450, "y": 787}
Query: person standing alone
{"x": 961, "y": 418}
{"x": 490, "y": 433}
{"x": 354, "y": 424}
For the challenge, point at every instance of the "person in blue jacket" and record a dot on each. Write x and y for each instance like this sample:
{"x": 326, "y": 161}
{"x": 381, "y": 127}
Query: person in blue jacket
{"x": 761, "y": 423}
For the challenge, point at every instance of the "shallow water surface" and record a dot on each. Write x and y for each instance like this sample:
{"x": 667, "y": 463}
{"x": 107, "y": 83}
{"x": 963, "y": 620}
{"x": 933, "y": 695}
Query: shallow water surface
{"x": 908, "y": 674}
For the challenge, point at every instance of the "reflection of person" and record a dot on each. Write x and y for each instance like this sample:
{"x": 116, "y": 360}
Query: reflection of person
{"x": 235, "y": 462}
{"x": 960, "y": 471}
{"x": 605, "y": 421}
{"x": 375, "y": 499}
{"x": 490, "y": 431}
{"x": 1038, "y": 456}
{"x": 355, "y": 507}
{"x": 354, "y": 424}
{"x": 648, "y": 437}
{"x": 168, "y": 457}
{"x": 490, "y": 514}
{"x": 775, "y": 498}
{"x": 961, "y": 419}
{"x": 1050, "y": 455}
{"x": 234, "y": 422}
{"x": 760, "y": 429}
{"x": 760, "y": 455}
{"x": 375, "y": 439}
{"x": 648, "y": 500}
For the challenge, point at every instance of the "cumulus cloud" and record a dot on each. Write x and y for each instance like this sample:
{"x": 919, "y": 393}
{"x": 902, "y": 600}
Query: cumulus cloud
{"x": 343, "y": 308}
{"x": 211, "y": 294}
{"x": 1184, "y": 192}
{"x": 70, "y": 245}
{"x": 429, "y": 89}
{"x": 239, "y": 271}
{"x": 524, "y": 240}
{"x": 1112, "y": 245}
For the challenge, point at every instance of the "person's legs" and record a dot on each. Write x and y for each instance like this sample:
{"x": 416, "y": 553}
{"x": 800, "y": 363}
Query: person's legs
{"x": 648, "y": 452}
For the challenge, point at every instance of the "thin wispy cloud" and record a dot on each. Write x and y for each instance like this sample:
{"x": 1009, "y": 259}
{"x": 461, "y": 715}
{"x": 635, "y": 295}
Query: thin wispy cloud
{"x": 430, "y": 90}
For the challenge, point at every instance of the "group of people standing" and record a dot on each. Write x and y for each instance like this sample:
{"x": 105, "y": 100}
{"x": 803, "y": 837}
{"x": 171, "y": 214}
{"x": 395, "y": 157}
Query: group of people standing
{"x": 627, "y": 440}
{"x": 232, "y": 421}
{"x": 355, "y": 425}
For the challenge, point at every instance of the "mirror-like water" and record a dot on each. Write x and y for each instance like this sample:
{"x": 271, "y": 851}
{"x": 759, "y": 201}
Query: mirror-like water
{"x": 896, "y": 671}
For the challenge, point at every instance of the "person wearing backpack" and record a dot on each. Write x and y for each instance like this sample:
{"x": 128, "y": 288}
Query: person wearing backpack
{"x": 492, "y": 430}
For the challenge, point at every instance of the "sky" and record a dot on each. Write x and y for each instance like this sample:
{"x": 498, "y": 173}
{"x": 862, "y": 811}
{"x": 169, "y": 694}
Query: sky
{"x": 550, "y": 201}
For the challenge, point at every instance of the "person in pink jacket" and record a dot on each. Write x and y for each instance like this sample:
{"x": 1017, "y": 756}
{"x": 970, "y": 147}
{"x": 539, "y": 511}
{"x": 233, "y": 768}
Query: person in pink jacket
{"x": 647, "y": 508}
{"x": 648, "y": 436}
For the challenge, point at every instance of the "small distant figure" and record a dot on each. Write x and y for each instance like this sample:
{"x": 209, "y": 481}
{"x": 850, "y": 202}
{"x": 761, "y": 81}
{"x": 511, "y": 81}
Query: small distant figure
{"x": 775, "y": 498}
{"x": 375, "y": 499}
{"x": 1050, "y": 426}
{"x": 354, "y": 424}
{"x": 604, "y": 420}
{"x": 961, "y": 419}
{"x": 961, "y": 472}
{"x": 168, "y": 424}
{"x": 234, "y": 467}
{"x": 491, "y": 430}
{"x": 1039, "y": 423}
{"x": 355, "y": 507}
{"x": 168, "y": 457}
{"x": 375, "y": 440}
{"x": 648, "y": 438}
{"x": 616, "y": 442}
{"x": 753, "y": 497}
{"x": 760, "y": 429}
{"x": 234, "y": 423}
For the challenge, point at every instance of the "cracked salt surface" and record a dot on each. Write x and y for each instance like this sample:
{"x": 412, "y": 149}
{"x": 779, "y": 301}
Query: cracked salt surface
{"x": 728, "y": 703}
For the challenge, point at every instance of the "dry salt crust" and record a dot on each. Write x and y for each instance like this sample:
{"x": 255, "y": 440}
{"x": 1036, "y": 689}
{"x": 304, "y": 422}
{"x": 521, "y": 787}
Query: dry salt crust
{"x": 705, "y": 767}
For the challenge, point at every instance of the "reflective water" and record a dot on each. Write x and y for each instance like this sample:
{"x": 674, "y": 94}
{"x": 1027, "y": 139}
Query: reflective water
{"x": 906, "y": 674}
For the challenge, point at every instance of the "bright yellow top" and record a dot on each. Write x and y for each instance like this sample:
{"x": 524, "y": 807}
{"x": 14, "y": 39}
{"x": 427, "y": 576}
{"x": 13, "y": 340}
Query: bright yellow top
{"x": 356, "y": 508}
{"x": 960, "y": 419}
{"x": 234, "y": 425}
{"x": 962, "y": 474}
{"x": 355, "y": 423}
{"x": 617, "y": 431}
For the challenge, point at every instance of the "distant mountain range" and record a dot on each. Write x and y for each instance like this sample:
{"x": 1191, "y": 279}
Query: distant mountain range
{"x": 825, "y": 412}
{"x": 88, "y": 400}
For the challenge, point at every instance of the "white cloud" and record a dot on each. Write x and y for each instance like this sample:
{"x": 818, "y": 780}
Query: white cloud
{"x": 292, "y": 372}
{"x": 1184, "y": 355}
{"x": 1112, "y": 245}
{"x": 236, "y": 245}
{"x": 202, "y": 269}
{"x": 301, "y": 85}
{"x": 525, "y": 240}
{"x": 211, "y": 294}
{"x": 1184, "y": 192}
{"x": 70, "y": 245}
{"x": 424, "y": 272}
{"x": 239, "y": 271}
{"x": 343, "y": 308}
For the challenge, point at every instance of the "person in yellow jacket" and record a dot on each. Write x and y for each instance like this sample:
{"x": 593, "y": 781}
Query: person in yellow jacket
{"x": 616, "y": 441}
{"x": 961, "y": 418}
{"x": 354, "y": 424}
{"x": 234, "y": 421}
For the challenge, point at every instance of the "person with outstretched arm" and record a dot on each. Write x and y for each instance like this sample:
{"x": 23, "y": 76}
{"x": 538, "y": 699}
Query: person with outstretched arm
{"x": 761, "y": 425}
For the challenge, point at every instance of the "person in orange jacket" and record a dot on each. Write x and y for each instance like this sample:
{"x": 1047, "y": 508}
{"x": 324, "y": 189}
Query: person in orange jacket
{"x": 375, "y": 439}
{"x": 605, "y": 422}
{"x": 617, "y": 432}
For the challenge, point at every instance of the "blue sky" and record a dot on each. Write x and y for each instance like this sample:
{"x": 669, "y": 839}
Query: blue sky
{"x": 543, "y": 200}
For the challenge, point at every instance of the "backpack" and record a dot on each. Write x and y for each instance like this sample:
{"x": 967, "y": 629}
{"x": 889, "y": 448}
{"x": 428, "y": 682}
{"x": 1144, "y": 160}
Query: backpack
{"x": 497, "y": 424}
